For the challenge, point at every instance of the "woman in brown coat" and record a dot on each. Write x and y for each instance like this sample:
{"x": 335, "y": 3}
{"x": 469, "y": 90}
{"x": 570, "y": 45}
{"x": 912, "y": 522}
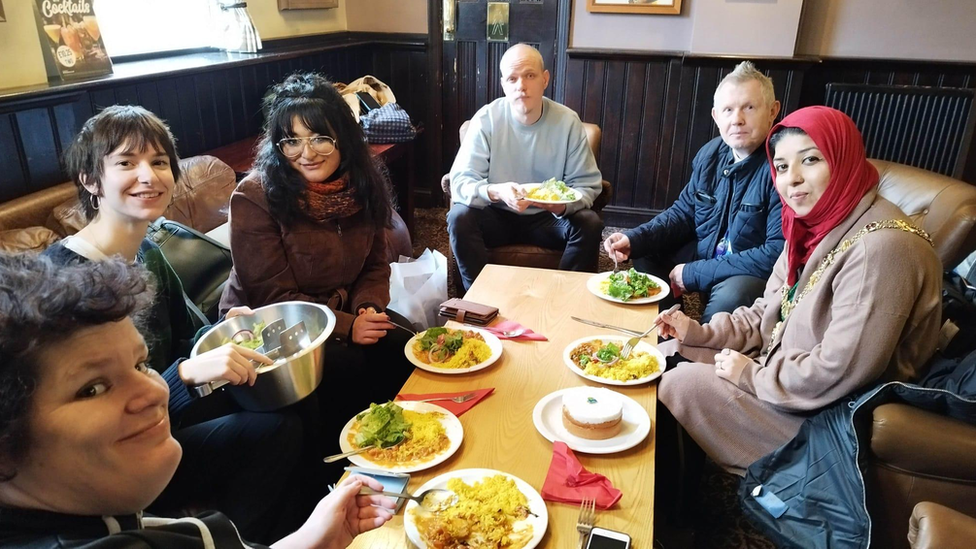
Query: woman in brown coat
{"x": 853, "y": 300}
{"x": 308, "y": 223}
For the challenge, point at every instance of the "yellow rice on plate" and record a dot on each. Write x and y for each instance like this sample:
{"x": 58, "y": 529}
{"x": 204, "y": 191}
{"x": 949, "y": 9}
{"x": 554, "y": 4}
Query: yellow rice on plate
{"x": 487, "y": 515}
{"x": 472, "y": 352}
{"x": 639, "y": 365}
{"x": 425, "y": 439}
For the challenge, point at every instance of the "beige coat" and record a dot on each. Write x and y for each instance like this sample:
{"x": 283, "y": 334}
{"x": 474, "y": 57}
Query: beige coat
{"x": 874, "y": 316}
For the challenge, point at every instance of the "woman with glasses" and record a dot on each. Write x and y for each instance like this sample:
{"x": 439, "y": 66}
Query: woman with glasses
{"x": 309, "y": 223}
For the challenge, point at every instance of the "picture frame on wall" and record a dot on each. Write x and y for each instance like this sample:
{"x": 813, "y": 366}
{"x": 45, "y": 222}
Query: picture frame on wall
{"x": 307, "y": 4}
{"x": 643, "y": 7}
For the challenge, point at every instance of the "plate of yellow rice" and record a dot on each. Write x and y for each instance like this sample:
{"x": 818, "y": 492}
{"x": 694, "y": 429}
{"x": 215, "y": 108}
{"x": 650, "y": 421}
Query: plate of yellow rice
{"x": 494, "y": 509}
{"x": 433, "y": 435}
{"x": 453, "y": 351}
{"x": 644, "y": 364}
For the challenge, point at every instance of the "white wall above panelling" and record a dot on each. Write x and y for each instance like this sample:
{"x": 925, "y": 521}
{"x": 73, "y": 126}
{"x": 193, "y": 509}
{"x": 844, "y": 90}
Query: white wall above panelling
{"x": 894, "y": 29}
{"x": 272, "y": 23}
{"x": 21, "y": 59}
{"x": 408, "y": 16}
{"x": 745, "y": 27}
{"x": 632, "y": 32}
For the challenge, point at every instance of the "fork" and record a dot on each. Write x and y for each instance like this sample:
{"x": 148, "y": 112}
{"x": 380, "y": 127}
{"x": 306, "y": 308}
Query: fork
{"x": 586, "y": 520}
{"x": 457, "y": 399}
{"x": 632, "y": 342}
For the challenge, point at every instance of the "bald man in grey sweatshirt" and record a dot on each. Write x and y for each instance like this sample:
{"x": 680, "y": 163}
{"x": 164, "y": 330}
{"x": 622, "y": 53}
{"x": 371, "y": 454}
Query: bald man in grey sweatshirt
{"x": 515, "y": 140}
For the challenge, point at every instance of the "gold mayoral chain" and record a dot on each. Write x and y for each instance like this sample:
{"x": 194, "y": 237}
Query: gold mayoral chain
{"x": 787, "y": 305}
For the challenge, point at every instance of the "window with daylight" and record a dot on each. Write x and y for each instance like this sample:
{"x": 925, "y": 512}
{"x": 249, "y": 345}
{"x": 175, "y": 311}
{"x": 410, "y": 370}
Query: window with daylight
{"x": 133, "y": 27}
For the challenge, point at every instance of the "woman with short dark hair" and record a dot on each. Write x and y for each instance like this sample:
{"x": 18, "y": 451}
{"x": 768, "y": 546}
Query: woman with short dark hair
{"x": 85, "y": 443}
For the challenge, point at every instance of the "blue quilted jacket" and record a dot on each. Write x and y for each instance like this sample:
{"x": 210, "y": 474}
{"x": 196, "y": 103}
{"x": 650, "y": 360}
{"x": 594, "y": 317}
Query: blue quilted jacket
{"x": 740, "y": 198}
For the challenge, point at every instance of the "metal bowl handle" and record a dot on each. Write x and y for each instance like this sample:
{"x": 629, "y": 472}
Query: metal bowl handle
{"x": 207, "y": 388}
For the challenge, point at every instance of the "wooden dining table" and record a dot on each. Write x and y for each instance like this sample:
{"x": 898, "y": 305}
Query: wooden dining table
{"x": 499, "y": 432}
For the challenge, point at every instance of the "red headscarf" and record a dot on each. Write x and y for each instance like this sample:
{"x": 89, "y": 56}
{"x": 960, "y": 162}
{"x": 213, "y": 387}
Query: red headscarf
{"x": 851, "y": 177}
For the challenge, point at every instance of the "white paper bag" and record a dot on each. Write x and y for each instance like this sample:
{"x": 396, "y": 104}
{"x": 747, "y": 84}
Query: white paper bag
{"x": 418, "y": 287}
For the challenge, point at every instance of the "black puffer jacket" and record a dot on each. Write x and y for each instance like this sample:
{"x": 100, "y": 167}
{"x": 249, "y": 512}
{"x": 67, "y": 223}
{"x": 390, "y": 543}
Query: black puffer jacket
{"x": 21, "y": 528}
{"x": 740, "y": 197}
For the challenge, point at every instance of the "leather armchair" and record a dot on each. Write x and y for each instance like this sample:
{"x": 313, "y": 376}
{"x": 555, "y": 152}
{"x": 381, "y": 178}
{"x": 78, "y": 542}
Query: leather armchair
{"x": 525, "y": 255}
{"x": 915, "y": 455}
{"x": 936, "y": 527}
{"x": 943, "y": 206}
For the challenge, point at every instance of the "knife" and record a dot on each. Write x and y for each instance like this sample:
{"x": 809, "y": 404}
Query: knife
{"x": 607, "y": 326}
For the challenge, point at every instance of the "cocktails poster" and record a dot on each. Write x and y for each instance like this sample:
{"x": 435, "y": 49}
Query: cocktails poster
{"x": 74, "y": 46}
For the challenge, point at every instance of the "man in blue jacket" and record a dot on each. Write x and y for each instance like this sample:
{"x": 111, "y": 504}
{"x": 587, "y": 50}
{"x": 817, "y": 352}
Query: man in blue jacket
{"x": 724, "y": 234}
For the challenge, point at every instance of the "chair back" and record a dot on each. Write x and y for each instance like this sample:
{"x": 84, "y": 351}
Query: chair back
{"x": 943, "y": 206}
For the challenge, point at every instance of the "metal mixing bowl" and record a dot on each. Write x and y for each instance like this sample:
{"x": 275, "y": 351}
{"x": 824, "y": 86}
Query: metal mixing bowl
{"x": 288, "y": 381}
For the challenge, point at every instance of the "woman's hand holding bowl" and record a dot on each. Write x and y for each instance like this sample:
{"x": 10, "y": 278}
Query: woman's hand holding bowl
{"x": 230, "y": 362}
{"x": 370, "y": 326}
{"x": 674, "y": 325}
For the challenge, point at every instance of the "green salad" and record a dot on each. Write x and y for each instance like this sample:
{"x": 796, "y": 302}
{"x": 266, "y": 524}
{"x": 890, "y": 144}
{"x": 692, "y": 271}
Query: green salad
{"x": 629, "y": 284}
{"x": 253, "y": 343}
{"x": 606, "y": 353}
{"x": 383, "y": 426}
{"x": 441, "y": 343}
{"x": 552, "y": 190}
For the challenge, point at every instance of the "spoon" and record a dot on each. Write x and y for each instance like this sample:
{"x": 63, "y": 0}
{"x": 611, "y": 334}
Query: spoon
{"x": 512, "y": 333}
{"x": 337, "y": 457}
{"x": 434, "y": 500}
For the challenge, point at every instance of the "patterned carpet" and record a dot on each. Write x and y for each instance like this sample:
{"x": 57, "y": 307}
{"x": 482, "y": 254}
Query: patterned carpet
{"x": 721, "y": 524}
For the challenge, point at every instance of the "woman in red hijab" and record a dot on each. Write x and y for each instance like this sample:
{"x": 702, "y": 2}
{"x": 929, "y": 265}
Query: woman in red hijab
{"x": 853, "y": 300}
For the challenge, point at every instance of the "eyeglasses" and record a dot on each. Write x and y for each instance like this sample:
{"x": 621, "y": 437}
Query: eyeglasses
{"x": 293, "y": 147}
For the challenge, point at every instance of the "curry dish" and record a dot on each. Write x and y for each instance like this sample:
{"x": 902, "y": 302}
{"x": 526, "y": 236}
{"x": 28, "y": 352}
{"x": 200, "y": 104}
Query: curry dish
{"x": 451, "y": 349}
{"x": 425, "y": 439}
{"x": 592, "y": 357}
{"x": 489, "y": 514}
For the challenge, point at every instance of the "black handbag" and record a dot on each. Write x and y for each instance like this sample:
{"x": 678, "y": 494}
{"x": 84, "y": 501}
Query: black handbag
{"x": 201, "y": 263}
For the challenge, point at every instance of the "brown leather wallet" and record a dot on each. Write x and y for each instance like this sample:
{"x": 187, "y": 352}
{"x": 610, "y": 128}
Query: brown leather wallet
{"x": 468, "y": 312}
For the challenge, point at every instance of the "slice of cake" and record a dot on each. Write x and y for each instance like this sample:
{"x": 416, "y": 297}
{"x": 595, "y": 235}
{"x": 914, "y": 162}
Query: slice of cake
{"x": 592, "y": 412}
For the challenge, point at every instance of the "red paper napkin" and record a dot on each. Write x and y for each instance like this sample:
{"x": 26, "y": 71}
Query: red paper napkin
{"x": 568, "y": 482}
{"x": 510, "y": 325}
{"x": 454, "y": 407}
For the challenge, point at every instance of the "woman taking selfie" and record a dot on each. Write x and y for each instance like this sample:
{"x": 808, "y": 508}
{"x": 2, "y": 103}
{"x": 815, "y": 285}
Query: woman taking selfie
{"x": 85, "y": 442}
{"x": 125, "y": 166}
{"x": 309, "y": 223}
{"x": 855, "y": 299}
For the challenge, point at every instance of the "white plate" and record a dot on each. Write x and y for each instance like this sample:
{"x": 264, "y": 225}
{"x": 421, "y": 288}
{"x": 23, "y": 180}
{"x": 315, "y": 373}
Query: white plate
{"x": 455, "y": 432}
{"x": 643, "y": 346}
{"x": 529, "y": 187}
{"x": 493, "y": 342}
{"x": 548, "y": 418}
{"x": 539, "y": 523}
{"x": 593, "y": 285}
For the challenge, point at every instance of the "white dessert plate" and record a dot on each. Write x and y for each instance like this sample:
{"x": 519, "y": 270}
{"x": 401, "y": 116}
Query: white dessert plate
{"x": 548, "y": 419}
{"x": 593, "y": 284}
{"x": 620, "y": 341}
{"x": 455, "y": 433}
{"x": 491, "y": 339}
{"x": 539, "y": 523}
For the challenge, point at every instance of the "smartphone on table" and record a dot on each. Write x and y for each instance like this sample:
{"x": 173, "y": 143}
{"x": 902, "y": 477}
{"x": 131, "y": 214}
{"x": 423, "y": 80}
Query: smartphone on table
{"x": 366, "y": 102}
{"x": 601, "y": 538}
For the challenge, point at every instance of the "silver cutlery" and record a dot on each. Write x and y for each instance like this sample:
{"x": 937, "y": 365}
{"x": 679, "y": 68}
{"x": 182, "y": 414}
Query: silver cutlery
{"x": 337, "y": 457}
{"x": 629, "y": 347}
{"x": 607, "y": 326}
{"x": 434, "y": 500}
{"x": 586, "y": 520}
{"x": 457, "y": 399}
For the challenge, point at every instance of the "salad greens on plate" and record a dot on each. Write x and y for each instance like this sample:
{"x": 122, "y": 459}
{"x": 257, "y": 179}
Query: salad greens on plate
{"x": 630, "y": 284}
{"x": 552, "y": 190}
{"x": 383, "y": 425}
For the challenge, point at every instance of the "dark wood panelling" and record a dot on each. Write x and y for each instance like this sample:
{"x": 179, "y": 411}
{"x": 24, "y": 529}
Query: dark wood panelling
{"x": 205, "y": 109}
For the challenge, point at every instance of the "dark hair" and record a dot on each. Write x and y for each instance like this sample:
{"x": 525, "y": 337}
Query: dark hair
{"x": 779, "y": 134}
{"x": 116, "y": 126}
{"x": 315, "y": 101}
{"x": 41, "y": 303}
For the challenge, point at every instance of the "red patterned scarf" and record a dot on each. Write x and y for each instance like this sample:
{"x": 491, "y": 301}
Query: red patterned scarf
{"x": 851, "y": 177}
{"x": 331, "y": 200}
